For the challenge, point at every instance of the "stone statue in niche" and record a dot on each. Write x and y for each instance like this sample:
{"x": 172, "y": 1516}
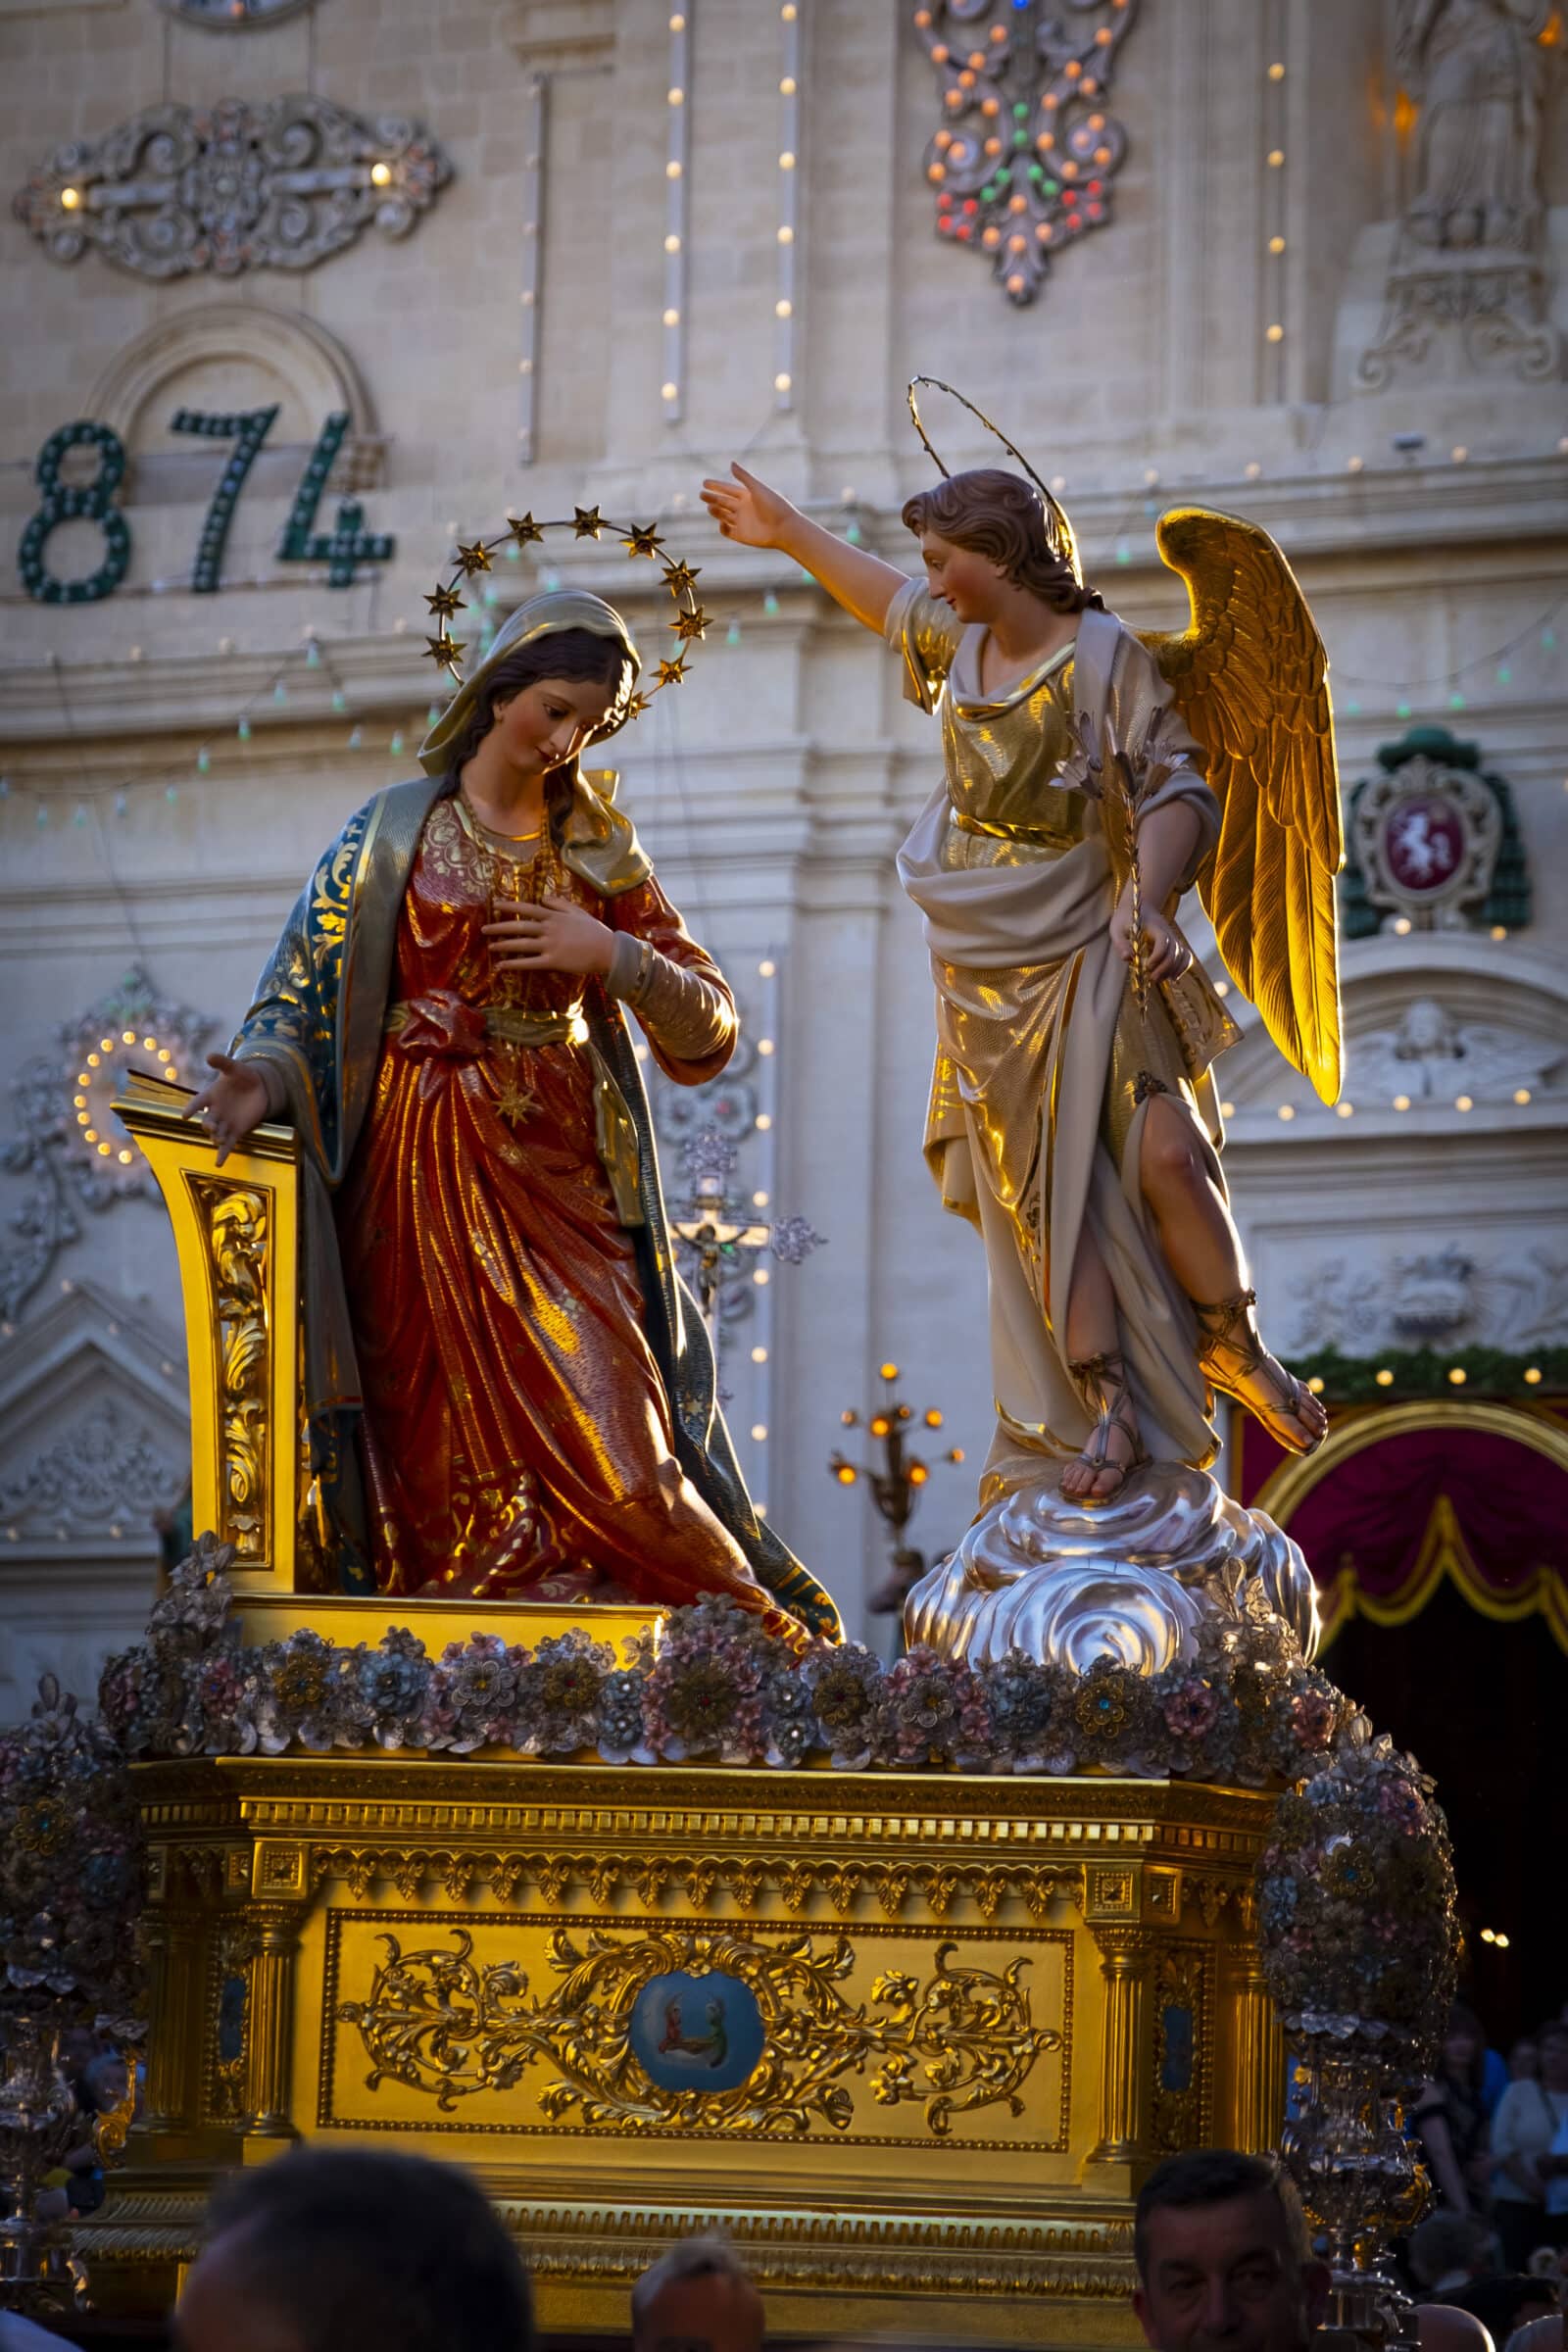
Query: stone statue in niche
{"x": 1475, "y": 69}
{"x": 1467, "y": 292}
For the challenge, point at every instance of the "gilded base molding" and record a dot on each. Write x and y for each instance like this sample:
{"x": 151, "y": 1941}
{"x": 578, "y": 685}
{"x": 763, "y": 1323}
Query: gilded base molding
{"x": 953, "y": 2020}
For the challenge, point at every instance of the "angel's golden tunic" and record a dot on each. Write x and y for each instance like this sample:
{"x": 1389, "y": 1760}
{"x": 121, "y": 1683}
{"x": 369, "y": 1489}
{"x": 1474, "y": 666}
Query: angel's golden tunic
{"x": 1042, "y": 1062}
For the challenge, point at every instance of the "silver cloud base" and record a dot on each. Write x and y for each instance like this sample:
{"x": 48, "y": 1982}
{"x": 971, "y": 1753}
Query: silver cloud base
{"x": 1132, "y": 1579}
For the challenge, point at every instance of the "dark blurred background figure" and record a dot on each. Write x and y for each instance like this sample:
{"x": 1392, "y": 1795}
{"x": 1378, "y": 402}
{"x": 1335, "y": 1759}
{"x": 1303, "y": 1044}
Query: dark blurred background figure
{"x": 1538, "y": 2335}
{"x": 1449, "y": 2117}
{"x": 1448, "y": 2252}
{"x": 1531, "y": 2115}
{"x": 1224, "y": 2258}
{"x": 354, "y": 2250}
{"x": 699, "y": 2297}
{"x": 1507, "y": 2302}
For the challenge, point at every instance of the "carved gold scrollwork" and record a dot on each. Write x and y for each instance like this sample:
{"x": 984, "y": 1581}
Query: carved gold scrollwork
{"x": 237, "y": 1226}
{"x": 443, "y": 2023}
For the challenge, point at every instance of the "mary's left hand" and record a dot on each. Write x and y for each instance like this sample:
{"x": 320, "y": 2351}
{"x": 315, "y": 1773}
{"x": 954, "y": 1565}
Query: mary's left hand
{"x": 555, "y": 936}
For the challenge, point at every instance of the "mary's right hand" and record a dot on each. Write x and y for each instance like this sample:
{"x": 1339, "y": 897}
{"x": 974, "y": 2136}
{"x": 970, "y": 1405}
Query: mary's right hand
{"x": 230, "y": 1105}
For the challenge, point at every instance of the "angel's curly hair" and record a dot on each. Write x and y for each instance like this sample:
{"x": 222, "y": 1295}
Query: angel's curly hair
{"x": 1003, "y": 518}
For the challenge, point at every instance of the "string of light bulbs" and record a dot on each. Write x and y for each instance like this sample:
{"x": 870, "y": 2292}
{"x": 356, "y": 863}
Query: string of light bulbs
{"x": 272, "y": 691}
{"x": 529, "y": 288}
{"x": 789, "y": 178}
{"x": 677, "y": 145}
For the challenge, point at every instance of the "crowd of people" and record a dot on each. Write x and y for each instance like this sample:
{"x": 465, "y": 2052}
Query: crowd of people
{"x": 1494, "y": 2135}
{"x": 354, "y": 2250}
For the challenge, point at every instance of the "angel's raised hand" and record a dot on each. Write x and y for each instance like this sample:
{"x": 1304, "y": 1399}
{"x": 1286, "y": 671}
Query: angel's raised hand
{"x": 745, "y": 508}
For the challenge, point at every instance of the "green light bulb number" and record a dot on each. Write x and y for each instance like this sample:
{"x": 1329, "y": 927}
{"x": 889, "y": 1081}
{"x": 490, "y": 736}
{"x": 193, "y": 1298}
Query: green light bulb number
{"x": 87, "y": 502}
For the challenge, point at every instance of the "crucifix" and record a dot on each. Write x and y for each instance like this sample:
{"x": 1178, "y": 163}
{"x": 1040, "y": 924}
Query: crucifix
{"x": 718, "y": 1247}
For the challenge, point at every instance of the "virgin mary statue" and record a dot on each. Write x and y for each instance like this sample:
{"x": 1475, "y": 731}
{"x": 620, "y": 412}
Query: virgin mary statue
{"x": 509, "y": 1393}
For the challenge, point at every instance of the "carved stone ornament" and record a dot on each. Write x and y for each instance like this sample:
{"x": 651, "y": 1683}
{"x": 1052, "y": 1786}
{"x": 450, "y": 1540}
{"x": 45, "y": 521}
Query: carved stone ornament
{"x": 68, "y": 1137}
{"x": 103, "y": 1469}
{"x": 701, "y": 2032}
{"x": 279, "y": 186}
{"x": 1426, "y": 840}
{"x": 1442, "y": 1297}
{"x": 1468, "y": 292}
{"x": 1025, "y": 154}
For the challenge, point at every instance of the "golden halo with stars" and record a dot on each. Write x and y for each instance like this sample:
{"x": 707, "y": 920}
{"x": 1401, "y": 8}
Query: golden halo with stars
{"x": 688, "y": 620}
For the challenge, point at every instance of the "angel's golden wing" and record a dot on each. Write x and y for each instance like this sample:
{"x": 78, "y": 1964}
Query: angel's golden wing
{"x": 1249, "y": 676}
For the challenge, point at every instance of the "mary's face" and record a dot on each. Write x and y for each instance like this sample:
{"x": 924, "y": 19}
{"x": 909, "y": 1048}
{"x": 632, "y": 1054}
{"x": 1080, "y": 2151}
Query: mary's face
{"x": 957, "y": 576}
{"x": 544, "y": 725}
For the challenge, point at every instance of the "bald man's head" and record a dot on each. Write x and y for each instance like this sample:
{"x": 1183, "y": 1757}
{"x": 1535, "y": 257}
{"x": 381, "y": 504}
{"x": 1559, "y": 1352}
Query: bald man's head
{"x": 698, "y": 2298}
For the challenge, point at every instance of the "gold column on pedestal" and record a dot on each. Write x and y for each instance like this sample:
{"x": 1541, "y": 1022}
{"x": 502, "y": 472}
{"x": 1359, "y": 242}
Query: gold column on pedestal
{"x": 173, "y": 2040}
{"x": 271, "y": 2022}
{"x": 1125, "y": 2078}
{"x": 1256, "y": 2068}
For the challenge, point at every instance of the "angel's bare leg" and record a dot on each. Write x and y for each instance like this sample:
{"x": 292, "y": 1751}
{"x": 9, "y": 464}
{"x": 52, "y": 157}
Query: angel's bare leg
{"x": 1203, "y": 1251}
{"x": 1094, "y": 1350}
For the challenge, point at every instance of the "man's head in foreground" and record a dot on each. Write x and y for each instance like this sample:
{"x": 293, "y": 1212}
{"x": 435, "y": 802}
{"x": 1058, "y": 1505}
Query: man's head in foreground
{"x": 698, "y": 2298}
{"x": 1224, "y": 2258}
{"x": 353, "y": 2250}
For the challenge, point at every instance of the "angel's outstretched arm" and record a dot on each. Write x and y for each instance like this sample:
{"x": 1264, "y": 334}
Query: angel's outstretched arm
{"x": 748, "y": 510}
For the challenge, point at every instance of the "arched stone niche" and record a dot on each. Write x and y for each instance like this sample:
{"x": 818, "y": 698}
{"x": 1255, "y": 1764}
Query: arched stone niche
{"x": 231, "y": 356}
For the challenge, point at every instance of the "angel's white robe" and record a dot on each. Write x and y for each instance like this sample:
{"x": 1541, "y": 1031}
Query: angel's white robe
{"x": 1044, "y": 1064}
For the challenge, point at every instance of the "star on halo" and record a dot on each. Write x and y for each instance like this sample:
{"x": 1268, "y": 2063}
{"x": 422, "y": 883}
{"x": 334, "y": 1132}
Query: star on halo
{"x": 474, "y": 558}
{"x": 525, "y": 529}
{"x": 642, "y": 539}
{"x": 445, "y": 603}
{"x": 588, "y": 523}
{"x": 688, "y": 625}
{"x": 444, "y": 649}
{"x": 672, "y": 673}
{"x": 634, "y": 708}
{"x": 679, "y": 579}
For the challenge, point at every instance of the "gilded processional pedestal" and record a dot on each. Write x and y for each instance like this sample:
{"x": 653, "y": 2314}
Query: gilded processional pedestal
{"x": 911, "y": 2037}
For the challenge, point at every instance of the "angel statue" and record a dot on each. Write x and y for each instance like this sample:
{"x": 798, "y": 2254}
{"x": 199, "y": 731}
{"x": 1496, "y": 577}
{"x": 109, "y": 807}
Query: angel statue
{"x": 1092, "y": 775}
{"x": 507, "y": 1393}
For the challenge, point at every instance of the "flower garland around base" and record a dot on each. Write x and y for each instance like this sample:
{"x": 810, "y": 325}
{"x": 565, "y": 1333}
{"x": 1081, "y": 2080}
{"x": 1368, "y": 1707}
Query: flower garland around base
{"x": 1245, "y": 1711}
